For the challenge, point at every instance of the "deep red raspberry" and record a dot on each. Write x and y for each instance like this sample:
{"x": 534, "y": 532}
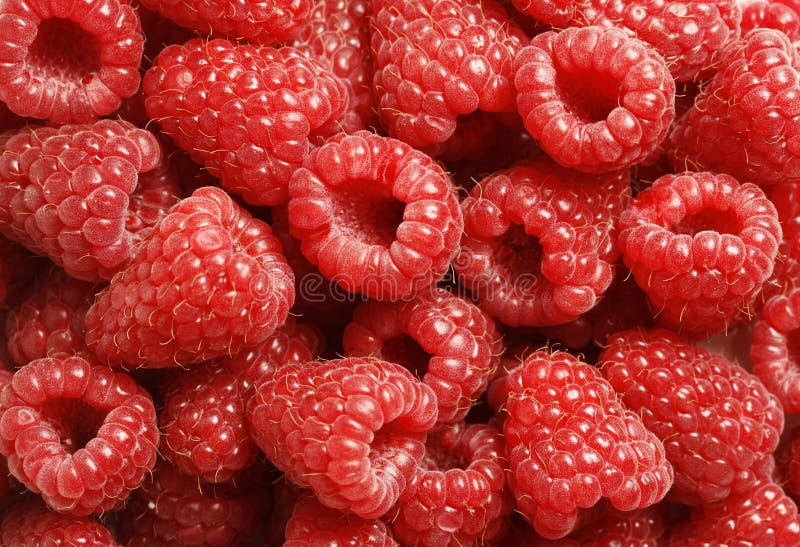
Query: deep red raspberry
{"x": 700, "y": 245}
{"x": 84, "y": 195}
{"x": 539, "y": 241}
{"x": 314, "y": 524}
{"x": 375, "y": 215}
{"x": 446, "y": 340}
{"x": 31, "y": 523}
{"x": 782, "y": 15}
{"x": 353, "y": 430}
{"x": 244, "y": 112}
{"x": 719, "y": 424}
{"x": 17, "y": 267}
{"x": 79, "y": 434}
{"x": 643, "y": 528}
{"x": 596, "y": 100}
{"x": 558, "y": 13}
{"x": 209, "y": 280}
{"x": 570, "y": 442}
{"x": 458, "y": 495}
{"x": 786, "y": 197}
{"x": 437, "y": 60}
{"x": 68, "y": 61}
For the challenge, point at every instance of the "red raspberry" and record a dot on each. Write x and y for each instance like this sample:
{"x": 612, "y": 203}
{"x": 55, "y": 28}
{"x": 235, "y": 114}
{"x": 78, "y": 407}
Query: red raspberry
{"x": 786, "y": 197}
{"x": 68, "y": 61}
{"x": 719, "y": 424}
{"x": 539, "y": 241}
{"x": 31, "y": 524}
{"x": 443, "y": 338}
{"x": 745, "y": 121}
{"x": 557, "y": 13}
{"x": 788, "y": 463}
{"x": 353, "y": 430}
{"x": 375, "y": 215}
{"x": 313, "y": 524}
{"x": 159, "y": 33}
{"x": 644, "y": 528}
{"x": 588, "y": 109}
{"x": 84, "y": 195}
{"x": 782, "y": 15}
{"x": 244, "y": 112}
{"x": 80, "y": 435}
{"x": 438, "y": 60}
{"x": 570, "y": 442}
{"x": 209, "y": 280}
{"x": 700, "y": 245}
{"x": 458, "y": 495}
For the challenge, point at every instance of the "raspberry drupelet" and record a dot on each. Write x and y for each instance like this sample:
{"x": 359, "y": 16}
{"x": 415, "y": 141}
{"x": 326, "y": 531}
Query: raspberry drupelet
{"x": 314, "y": 524}
{"x": 68, "y": 61}
{"x": 375, "y": 215}
{"x": 30, "y": 524}
{"x": 782, "y": 15}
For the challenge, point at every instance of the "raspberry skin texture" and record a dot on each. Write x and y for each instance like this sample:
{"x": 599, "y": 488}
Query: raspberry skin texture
{"x": 556, "y": 13}
{"x": 786, "y": 197}
{"x": 375, "y": 215}
{"x": 458, "y": 496}
{"x": 596, "y": 100}
{"x": 31, "y": 524}
{"x": 437, "y": 60}
{"x": 644, "y": 528}
{"x": 719, "y": 424}
{"x": 84, "y": 195}
{"x": 352, "y": 430}
{"x": 78, "y": 434}
{"x": 539, "y": 241}
{"x": 247, "y": 113}
{"x": 314, "y": 524}
{"x": 700, "y": 245}
{"x": 563, "y": 412}
{"x": 443, "y": 338}
{"x": 208, "y": 281}
{"x": 68, "y": 61}
{"x": 775, "y": 14}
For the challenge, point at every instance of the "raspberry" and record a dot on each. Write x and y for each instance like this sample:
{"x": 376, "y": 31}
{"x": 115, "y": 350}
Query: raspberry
{"x": 571, "y": 442}
{"x": 313, "y": 524}
{"x": 444, "y": 339}
{"x": 83, "y": 195}
{"x": 438, "y": 60}
{"x": 786, "y": 197}
{"x": 782, "y": 15}
{"x": 719, "y": 424}
{"x": 68, "y": 61}
{"x": 596, "y": 100}
{"x": 557, "y": 13}
{"x": 458, "y": 495}
{"x": 539, "y": 241}
{"x": 209, "y": 280}
{"x": 745, "y": 121}
{"x": 788, "y": 463}
{"x": 353, "y": 430}
{"x": 246, "y": 113}
{"x": 643, "y": 528}
{"x": 79, "y": 434}
{"x": 700, "y": 245}
{"x": 375, "y": 215}
{"x": 31, "y": 523}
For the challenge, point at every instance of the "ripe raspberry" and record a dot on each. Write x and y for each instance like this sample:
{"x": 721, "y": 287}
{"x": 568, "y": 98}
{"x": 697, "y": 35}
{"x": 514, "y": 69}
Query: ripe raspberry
{"x": 68, "y": 61}
{"x": 438, "y": 60}
{"x": 539, "y": 241}
{"x": 458, "y": 495}
{"x": 782, "y": 15}
{"x": 31, "y": 523}
{"x": 314, "y": 524}
{"x": 79, "y": 434}
{"x": 588, "y": 109}
{"x": 375, "y": 215}
{"x": 700, "y": 245}
{"x": 246, "y": 113}
{"x": 557, "y": 13}
{"x": 84, "y": 195}
{"x": 643, "y": 528}
{"x": 786, "y": 197}
{"x": 571, "y": 442}
{"x": 353, "y": 430}
{"x": 446, "y": 340}
{"x": 209, "y": 280}
{"x": 719, "y": 424}
{"x": 745, "y": 121}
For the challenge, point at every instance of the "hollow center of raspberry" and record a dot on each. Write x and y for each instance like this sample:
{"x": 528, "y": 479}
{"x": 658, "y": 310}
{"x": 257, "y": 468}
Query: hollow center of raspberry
{"x": 407, "y": 352}
{"x": 367, "y": 211}
{"x": 518, "y": 253}
{"x": 76, "y": 422}
{"x": 438, "y": 458}
{"x": 64, "y": 48}
{"x": 723, "y": 222}
{"x": 589, "y": 97}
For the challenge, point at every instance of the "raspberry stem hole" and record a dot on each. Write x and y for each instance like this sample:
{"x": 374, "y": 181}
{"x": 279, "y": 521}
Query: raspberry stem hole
{"x": 589, "y": 97}
{"x": 64, "y": 47}
{"x": 368, "y": 211}
{"x": 723, "y": 222}
{"x": 75, "y": 421}
{"x": 519, "y": 253}
{"x": 407, "y": 352}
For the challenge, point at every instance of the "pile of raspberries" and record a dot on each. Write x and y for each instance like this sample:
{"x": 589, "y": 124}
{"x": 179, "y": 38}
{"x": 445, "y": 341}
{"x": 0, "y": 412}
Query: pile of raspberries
{"x": 399, "y": 272}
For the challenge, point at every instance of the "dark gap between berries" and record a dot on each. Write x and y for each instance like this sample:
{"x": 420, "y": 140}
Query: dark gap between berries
{"x": 407, "y": 352}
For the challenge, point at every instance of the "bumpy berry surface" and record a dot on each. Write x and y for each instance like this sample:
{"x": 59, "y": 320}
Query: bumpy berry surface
{"x": 643, "y": 528}
{"x": 79, "y": 434}
{"x": 570, "y": 442}
{"x": 539, "y": 241}
{"x": 596, "y": 100}
{"x": 353, "y": 430}
{"x": 246, "y": 113}
{"x": 313, "y": 524}
{"x": 782, "y": 15}
{"x": 557, "y": 13}
{"x": 209, "y": 280}
{"x": 31, "y": 524}
{"x": 719, "y": 424}
{"x": 375, "y": 215}
{"x": 84, "y": 195}
{"x": 700, "y": 245}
